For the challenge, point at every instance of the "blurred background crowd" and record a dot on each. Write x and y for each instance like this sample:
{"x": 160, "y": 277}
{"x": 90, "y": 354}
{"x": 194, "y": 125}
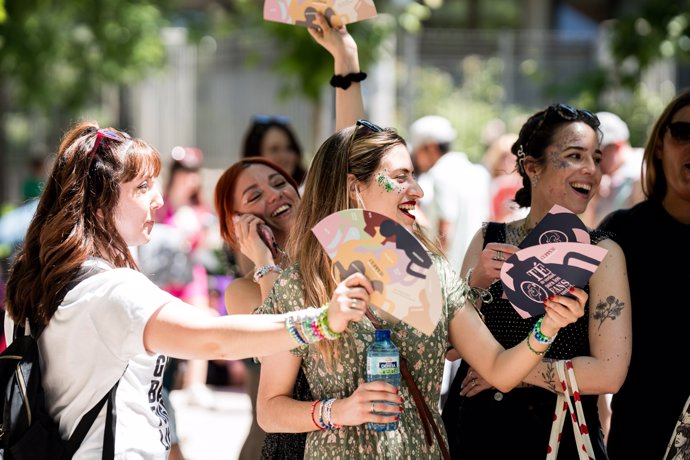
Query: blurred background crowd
{"x": 207, "y": 81}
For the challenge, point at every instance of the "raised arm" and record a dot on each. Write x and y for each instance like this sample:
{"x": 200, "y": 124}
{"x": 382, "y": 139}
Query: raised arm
{"x": 349, "y": 106}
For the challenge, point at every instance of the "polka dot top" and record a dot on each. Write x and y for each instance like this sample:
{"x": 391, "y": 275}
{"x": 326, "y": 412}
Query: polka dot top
{"x": 510, "y": 328}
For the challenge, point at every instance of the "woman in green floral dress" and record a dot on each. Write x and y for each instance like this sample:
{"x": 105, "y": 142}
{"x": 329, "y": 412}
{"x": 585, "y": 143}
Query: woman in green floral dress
{"x": 369, "y": 167}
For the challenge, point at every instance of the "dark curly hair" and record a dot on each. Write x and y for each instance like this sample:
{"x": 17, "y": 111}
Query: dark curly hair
{"x": 537, "y": 134}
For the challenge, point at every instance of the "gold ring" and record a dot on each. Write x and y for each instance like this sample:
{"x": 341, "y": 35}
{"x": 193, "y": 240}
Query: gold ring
{"x": 500, "y": 256}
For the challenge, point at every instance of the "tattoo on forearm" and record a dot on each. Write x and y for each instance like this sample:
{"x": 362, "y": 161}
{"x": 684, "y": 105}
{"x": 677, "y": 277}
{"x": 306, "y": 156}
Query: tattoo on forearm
{"x": 609, "y": 308}
{"x": 550, "y": 376}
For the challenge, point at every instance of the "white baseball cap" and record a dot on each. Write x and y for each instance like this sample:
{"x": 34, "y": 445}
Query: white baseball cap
{"x": 431, "y": 129}
{"x": 613, "y": 128}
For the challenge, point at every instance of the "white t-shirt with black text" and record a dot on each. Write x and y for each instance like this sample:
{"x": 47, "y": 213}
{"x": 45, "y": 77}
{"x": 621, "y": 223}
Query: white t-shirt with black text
{"x": 95, "y": 334}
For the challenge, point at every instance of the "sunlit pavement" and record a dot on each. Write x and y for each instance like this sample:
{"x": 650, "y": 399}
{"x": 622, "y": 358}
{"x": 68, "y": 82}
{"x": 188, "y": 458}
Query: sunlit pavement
{"x": 216, "y": 432}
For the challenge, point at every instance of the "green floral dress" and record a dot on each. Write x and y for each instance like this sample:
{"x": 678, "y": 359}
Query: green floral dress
{"x": 425, "y": 357}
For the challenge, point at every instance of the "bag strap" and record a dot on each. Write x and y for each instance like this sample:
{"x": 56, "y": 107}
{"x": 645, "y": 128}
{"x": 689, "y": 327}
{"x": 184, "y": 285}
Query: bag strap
{"x": 422, "y": 408}
{"x": 87, "y": 421}
{"x": 564, "y": 403}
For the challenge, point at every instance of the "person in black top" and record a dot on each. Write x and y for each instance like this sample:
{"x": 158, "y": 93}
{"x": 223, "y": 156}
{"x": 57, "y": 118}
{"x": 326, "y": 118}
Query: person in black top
{"x": 655, "y": 237}
{"x": 558, "y": 154}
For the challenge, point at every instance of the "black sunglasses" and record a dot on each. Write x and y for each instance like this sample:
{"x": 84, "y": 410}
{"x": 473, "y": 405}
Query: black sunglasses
{"x": 680, "y": 131}
{"x": 369, "y": 125}
{"x": 567, "y": 113}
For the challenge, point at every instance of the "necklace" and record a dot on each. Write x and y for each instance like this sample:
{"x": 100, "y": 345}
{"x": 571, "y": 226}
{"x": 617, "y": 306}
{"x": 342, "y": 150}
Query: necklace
{"x": 516, "y": 233}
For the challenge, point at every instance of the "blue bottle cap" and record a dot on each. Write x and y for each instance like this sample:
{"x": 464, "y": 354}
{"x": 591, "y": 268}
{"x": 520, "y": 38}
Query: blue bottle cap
{"x": 383, "y": 334}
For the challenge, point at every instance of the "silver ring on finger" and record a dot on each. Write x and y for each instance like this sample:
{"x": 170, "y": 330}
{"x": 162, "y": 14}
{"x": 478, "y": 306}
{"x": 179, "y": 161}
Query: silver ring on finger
{"x": 499, "y": 256}
{"x": 474, "y": 382}
{"x": 372, "y": 407}
{"x": 353, "y": 303}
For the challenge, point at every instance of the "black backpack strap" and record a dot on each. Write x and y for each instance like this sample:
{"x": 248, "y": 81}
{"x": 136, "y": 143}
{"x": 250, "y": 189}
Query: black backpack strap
{"x": 110, "y": 424}
{"x": 87, "y": 421}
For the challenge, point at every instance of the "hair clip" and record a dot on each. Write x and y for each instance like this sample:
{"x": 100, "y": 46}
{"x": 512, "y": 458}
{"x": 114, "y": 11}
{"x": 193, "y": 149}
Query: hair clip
{"x": 521, "y": 158}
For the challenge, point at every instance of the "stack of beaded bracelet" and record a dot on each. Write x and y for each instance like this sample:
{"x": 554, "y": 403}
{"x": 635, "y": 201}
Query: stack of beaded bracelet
{"x": 540, "y": 338}
{"x": 310, "y": 325}
{"x": 324, "y": 422}
{"x": 265, "y": 270}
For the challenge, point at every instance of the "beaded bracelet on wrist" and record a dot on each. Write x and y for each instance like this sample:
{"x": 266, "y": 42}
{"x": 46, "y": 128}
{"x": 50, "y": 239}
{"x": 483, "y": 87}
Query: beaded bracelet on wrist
{"x": 309, "y": 326}
{"x": 539, "y": 336}
{"x": 327, "y": 415}
{"x": 264, "y": 270}
{"x": 536, "y": 352}
{"x": 313, "y": 419}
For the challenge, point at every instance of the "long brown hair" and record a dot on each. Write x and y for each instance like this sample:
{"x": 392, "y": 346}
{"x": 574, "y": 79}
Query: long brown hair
{"x": 654, "y": 184}
{"x": 75, "y": 218}
{"x": 225, "y": 190}
{"x": 357, "y": 151}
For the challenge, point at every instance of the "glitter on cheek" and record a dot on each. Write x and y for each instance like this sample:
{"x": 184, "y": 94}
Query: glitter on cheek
{"x": 386, "y": 183}
{"x": 558, "y": 162}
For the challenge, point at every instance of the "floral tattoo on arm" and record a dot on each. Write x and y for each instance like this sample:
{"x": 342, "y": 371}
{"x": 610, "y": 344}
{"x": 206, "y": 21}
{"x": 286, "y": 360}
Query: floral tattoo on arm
{"x": 609, "y": 308}
{"x": 550, "y": 375}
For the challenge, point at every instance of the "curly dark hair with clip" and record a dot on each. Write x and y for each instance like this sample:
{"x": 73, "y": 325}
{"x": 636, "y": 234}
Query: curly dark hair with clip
{"x": 538, "y": 133}
{"x": 75, "y": 218}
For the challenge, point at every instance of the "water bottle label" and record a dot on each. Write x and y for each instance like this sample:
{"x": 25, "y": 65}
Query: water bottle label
{"x": 382, "y": 365}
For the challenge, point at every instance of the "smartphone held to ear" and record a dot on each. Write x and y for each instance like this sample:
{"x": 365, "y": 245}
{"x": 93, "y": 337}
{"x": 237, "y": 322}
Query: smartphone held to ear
{"x": 266, "y": 235}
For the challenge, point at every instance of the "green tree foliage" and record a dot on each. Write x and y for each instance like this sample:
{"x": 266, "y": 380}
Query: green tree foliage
{"x": 56, "y": 55}
{"x": 655, "y": 31}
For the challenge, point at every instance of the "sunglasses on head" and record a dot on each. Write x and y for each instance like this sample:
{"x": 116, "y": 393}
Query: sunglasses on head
{"x": 567, "y": 113}
{"x": 261, "y": 119}
{"x": 107, "y": 134}
{"x": 374, "y": 128}
{"x": 680, "y": 130}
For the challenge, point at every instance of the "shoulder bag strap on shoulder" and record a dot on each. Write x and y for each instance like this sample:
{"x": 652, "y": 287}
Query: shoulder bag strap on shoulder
{"x": 424, "y": 412}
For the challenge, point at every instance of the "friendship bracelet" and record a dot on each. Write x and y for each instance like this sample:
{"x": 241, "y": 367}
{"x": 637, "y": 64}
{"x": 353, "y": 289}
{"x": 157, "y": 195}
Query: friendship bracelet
{"x": 344, "y": 81}
{"x": 540, "y": 336}
{"x": 323, "y": 402}
{"x": 529, "y": 345}
{"x": 313, "y": 409}
{"x": 326, "y": 330}
{"x": 309, "y": 326}
{"x": 327, "y": 415}
{"x": 292, "y": 330}
{"x": 265, "y": 270}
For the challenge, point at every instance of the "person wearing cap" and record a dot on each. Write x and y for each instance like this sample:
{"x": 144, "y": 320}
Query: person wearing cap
{"x": 621, "y": 165}
{"x": 456, "y": 191}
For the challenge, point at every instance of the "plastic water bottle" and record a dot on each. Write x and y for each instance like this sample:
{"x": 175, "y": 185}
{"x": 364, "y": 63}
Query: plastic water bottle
{"x": 383, "y": 363}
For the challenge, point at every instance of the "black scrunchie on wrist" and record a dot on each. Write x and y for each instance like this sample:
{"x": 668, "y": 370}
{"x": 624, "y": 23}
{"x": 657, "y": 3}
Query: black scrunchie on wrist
{"x": 344, "y": 81}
